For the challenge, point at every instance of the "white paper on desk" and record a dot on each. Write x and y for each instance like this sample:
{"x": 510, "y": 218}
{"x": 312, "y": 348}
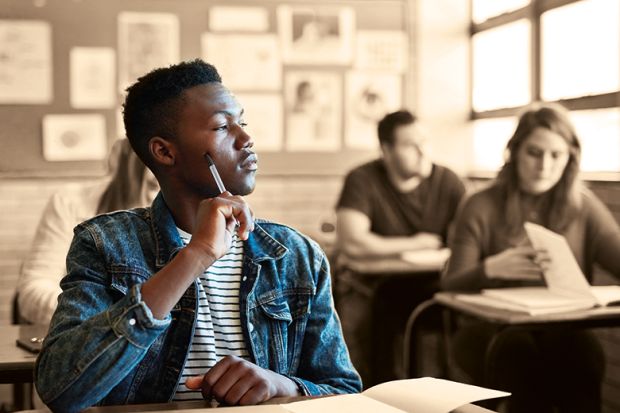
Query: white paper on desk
{"x": 427, "y": 257}
{"x": 505, "y": 300}
{"x": 266, "y": 408}
{"x": 563, "y": 276}
{"x": 427, "y": 395}
{"x": 348, "y": 403}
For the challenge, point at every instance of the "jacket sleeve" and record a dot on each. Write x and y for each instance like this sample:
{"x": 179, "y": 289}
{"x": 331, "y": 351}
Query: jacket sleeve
{"x": 97, "y": 335}
{"x": 324, "y": 345}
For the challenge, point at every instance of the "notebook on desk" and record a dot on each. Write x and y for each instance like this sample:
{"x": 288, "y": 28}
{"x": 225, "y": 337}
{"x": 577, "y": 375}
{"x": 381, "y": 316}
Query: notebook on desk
{"x": 567, "y": 288}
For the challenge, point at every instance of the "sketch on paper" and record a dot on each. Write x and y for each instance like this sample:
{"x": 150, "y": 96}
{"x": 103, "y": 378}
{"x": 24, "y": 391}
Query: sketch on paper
{"x": 316, "y": 35}
{"x": 257, "y": 68}
{"x": 145, "y": 41}
{"x": 369, "y": 97}
{"x": 238, "y": 18}
{"x": 384, "y": 50}
{"x": 74, "y": 137}
{"x": 263, "y": 114}
{"x": 92, "y": 77}
{"x": 25, "y": 62}
{"x": 313, "y": 111}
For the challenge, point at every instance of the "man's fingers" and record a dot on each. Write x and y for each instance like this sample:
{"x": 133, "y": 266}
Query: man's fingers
{"x": 234, "y": 373}
{"x": 237, "y": 390}
{"x": 194, "y": 382}
{"x": 257, "y": 394}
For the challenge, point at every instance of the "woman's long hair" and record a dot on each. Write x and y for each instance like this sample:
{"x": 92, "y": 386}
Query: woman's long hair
{"x": 126, "y": 188}
{"x": 562, "y": 201}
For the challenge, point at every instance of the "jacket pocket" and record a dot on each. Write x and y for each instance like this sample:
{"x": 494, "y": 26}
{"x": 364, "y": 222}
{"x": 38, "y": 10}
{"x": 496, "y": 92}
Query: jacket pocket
{"x": 285, "y": 316}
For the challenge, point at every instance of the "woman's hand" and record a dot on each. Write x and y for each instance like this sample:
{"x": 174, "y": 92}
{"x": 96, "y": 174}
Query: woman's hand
{"x": 518, "y": 263}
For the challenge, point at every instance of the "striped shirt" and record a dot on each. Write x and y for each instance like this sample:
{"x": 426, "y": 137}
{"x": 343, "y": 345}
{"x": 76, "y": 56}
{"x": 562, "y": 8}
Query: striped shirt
{"x": 218, "y": 325}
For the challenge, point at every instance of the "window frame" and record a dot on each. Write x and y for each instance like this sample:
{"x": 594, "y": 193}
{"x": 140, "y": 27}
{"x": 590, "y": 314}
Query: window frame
{"x": 533, "y": 12}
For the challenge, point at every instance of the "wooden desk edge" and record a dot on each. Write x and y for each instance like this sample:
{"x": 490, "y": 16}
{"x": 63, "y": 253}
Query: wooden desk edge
{"x": 500, "y": 316}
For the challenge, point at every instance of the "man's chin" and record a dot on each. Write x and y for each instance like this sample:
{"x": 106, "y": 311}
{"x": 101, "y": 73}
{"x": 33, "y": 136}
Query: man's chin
{"x": 246, "y": 189}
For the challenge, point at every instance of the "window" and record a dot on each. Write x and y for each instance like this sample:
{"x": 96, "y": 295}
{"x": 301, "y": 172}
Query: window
{"x": 501, "y": 66}
{"x": 484, "y": 9}
{"x": 565, "y": 51}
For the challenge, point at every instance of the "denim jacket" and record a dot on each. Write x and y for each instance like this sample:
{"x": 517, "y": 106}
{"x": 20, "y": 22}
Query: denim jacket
{"x": 105, "y": 347}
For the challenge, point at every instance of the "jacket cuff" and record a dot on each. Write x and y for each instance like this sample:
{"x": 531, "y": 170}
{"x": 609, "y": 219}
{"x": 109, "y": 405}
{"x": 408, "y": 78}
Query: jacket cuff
{"x": 305, "y": 388}
{"x": 135, "y": 321}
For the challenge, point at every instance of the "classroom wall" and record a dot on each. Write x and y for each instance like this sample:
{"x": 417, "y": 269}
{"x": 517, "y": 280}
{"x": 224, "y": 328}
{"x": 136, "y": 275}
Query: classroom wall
{"x": 442, "y": 79}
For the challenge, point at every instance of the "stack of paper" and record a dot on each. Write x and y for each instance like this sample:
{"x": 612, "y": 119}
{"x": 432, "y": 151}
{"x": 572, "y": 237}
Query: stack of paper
{"x": 567, "y": 288}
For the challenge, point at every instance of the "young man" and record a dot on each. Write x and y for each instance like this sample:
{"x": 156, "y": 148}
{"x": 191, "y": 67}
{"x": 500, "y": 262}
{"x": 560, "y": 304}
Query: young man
{"x": 191, "y": 297}
{"x": 400, "y": 202}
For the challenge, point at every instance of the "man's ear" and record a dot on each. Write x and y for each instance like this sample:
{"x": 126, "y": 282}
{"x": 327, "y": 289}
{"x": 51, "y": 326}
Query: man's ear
{"x": 162, "y": 151}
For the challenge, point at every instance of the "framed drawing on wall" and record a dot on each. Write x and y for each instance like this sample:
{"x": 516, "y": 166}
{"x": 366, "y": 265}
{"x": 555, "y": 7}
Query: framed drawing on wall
{"x": 74, "y": 137}
{"x": 145, "y": 41}
{"x": 369, "y": 96}
{"x": 313, "y": 111}
{"x": 317, "y": 34}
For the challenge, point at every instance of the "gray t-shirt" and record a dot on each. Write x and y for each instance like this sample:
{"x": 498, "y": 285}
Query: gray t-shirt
{"x": 430, "y": 207}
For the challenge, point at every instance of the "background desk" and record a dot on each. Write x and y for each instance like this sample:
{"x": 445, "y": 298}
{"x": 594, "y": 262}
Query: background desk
{"x": 374, "y": 297}
{"x": 506, "y": 321}
{"x": 16, "y": 364}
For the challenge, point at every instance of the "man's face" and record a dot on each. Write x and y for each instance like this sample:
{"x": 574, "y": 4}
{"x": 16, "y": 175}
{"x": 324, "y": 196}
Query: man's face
{"x": 211, "y": 121}
{"x": 406, "y": 155}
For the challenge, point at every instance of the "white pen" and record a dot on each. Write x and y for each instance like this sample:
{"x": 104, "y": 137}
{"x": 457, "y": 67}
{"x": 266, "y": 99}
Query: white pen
{"x": 218, "y": 180}
{"x": 216, "y": 175}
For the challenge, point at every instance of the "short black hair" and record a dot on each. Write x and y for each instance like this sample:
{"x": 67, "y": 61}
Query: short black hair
{"x": 390, "y": 122}
{"x": 153, "y": 102}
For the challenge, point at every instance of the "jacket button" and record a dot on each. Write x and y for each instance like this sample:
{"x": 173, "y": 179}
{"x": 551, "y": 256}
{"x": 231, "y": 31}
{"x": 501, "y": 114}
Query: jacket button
{"x": 132, "y": 321}
{"x": 250, "y": 327}
{"x": 245, "y": 278}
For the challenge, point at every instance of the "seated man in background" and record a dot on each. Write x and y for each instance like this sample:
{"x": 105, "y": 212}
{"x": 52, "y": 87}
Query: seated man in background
{"x": 191, "y": 297}
{"x": 400, "y": 202}
{"x": 132, "y": 185}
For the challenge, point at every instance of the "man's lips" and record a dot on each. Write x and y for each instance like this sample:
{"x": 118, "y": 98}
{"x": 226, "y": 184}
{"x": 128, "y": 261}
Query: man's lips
{"x": 250, "y": 162}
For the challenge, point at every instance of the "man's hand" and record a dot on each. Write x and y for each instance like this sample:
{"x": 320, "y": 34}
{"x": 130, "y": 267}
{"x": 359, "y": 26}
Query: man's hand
{"x": 216, "y": 221}
{"x": 234, "y": 380}
{"x": 518, "y": 263}
{"x": 426, "y": 240}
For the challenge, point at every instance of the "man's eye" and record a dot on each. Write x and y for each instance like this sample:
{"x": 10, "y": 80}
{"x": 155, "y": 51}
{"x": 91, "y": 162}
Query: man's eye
{"x": 243, "y": 124}
{"x": 221, "y": 128}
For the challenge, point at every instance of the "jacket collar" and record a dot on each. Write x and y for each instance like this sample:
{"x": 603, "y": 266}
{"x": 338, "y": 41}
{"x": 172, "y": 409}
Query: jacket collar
{"x": 167, "y": 240}
{"x": 260, "y": 245}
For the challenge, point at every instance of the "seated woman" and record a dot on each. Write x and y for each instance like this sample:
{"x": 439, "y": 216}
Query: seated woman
{"x": 538, "y": 183}
{"x": 132, "y": 185}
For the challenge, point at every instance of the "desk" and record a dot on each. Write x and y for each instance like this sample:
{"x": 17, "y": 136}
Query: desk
{"x": 188, "y": 407}
{"x": 374, "y": 297}
{"x": 508, "y": 321}
{"x": 388, "y": 266}
{"x": 16, "y": 364}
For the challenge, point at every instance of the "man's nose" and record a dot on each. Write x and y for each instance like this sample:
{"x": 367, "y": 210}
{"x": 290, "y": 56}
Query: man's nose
{"x": 243, "y": 139}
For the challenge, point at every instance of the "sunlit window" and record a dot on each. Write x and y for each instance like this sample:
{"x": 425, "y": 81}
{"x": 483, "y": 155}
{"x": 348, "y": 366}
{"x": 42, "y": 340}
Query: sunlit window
{"x": 580, "y": 44}
{"x": 564, "y": 51}
{"x": 484, "y": 9}
{"x": 599, "y": 131}
{"x": 490, "y": 138}
{"x": 501, "y": 66}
